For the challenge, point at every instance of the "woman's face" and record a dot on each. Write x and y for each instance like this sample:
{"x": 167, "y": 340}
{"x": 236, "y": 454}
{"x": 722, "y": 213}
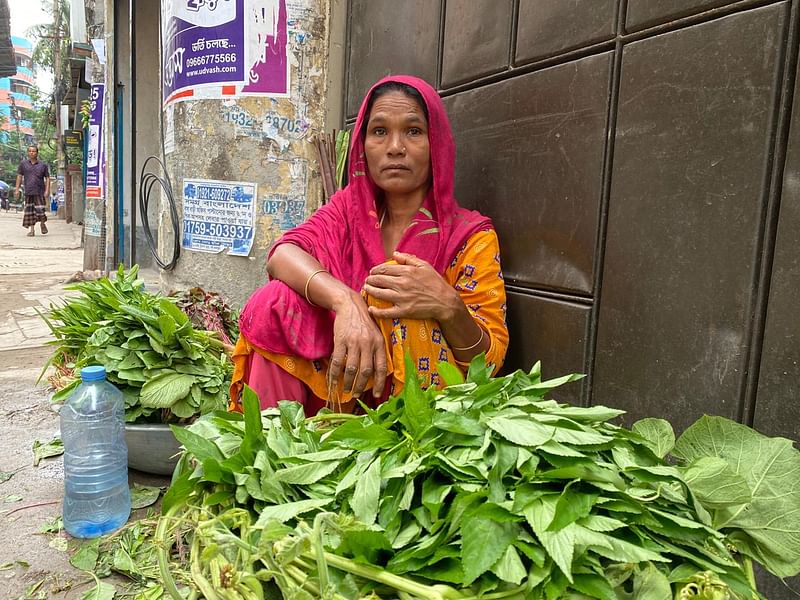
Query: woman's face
{"x": 396, "y": 145}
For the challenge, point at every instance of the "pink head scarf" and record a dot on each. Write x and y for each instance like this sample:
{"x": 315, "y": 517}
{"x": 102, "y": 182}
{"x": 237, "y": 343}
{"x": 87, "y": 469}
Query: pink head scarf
{"x": 345, "y": 236}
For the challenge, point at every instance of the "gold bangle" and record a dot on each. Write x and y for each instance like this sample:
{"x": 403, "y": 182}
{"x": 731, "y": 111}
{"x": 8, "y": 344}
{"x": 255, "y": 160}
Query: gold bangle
{"x": 305, "y": 289}
{"x": 480, "y": 339}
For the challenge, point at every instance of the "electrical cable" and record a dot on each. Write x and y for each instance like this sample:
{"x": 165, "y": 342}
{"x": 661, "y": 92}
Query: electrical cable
{"x": 147, "y": 181}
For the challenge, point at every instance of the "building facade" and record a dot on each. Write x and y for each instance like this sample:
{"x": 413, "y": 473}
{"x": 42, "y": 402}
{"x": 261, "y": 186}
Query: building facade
{"x": 640, "y": 161}
{"x": 15, "y": 96}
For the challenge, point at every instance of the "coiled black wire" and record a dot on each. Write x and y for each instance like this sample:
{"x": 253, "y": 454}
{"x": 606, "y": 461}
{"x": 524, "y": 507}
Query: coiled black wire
{"x": 147, "y": 181}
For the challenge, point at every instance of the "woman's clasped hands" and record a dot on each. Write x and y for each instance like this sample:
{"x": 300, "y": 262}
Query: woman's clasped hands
{"x": 411, "y": 289}
{"x": 407, "y": 288}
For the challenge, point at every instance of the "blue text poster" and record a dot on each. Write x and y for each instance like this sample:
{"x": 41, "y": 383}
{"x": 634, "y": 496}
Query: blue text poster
{"x": 218, "y": 215}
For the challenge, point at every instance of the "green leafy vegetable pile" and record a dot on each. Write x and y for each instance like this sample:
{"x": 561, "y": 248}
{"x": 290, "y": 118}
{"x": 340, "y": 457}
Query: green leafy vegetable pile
{"x": 167, "y": 370}
{"x": 483, "y": 490}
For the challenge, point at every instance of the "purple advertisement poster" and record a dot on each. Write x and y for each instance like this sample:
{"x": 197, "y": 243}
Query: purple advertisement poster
{"x": 204, "y": 44}
{"x": 95, "y": 171}
{"x": 224, "y": 48}
{"x": 267, "y": 35}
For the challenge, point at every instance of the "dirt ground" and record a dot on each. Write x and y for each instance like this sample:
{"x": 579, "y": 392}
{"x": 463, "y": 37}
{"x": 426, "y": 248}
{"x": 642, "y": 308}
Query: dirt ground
{"x": 33, "y": 271}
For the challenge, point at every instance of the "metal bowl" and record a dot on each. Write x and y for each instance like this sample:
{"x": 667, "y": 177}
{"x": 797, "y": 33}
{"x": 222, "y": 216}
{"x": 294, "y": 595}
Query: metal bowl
{"x": 152, "y": 448}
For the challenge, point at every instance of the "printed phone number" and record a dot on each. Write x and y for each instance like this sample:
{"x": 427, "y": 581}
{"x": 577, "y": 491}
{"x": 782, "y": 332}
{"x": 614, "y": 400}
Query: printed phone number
{"x": 210, "y": 59}
{"x": 219, "y": 230}
{"x": 243, "y": 119}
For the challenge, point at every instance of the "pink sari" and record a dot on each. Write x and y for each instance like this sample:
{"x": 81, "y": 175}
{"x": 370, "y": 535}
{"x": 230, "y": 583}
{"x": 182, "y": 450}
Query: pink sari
{"x": 345, "y": 237}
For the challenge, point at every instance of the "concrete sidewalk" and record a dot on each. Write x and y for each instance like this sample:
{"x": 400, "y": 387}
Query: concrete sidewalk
{"x": 33, "y": 272}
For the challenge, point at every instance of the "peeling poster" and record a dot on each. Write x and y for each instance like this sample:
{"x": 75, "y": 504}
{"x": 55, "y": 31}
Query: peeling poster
{"x": 224, "y": 48}
{"x": 218, "y": 215}
{"x": 95, "y": 159}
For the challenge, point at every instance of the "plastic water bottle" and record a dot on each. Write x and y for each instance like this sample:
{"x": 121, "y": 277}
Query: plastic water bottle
{"x": 97, "y": 499}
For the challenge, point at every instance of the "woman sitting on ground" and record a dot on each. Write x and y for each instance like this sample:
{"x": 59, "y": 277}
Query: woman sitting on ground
{"x": 391, "y": 265}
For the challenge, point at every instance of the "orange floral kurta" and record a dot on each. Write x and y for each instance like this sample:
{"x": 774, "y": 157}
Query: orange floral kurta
{"x": 475, "y": 273}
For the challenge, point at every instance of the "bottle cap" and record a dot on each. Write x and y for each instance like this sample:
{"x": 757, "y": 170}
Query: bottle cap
{"x": 93, "y": 373}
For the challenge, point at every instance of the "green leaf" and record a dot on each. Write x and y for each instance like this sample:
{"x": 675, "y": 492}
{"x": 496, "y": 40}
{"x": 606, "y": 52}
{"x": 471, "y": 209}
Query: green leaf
{"x": 54, "y": 447}
{"x": 478, "y": 371}
{"x": 85, "y": 558}
{"x": 714, "y": 482}
{"x": 131, "y": 361}
{"x": 595, "y": 586}
{"x": 510, "y": 568}
{"x": 163, "y": 391}
{"x": 769, "y": 526}
{"x": 364, "y": 546}
{"x": 289, "y": 510}
{"x": 560, "y": 545}
{"x": 166, "y": 325}
{"x": 601, "y": 523}
{"x": 197, "y": 445}
{"x": 523, "y": 432}
{"x": 61, "y": 395}
{"x": 253, "y": 428}
{"x": 354, "y": 434}
{"x": 585, "y": 472}
{"x": 152, "y": 360}
{"x": 101, "y": 591}
{"x": 417, "y": 415}
{"x": 366, "y": 494}
{"x": 146, "y": 317}
{"x": 183, "y": 409}
{"x": 657, "y": 435}
{"x": 457, "y": 423}
{"x": 611, "y": 547}
{"x": 178, "y": 492}
{"x": 434, "y": 493}
{"x": 483, "y": 543}
{"x": 54, "y": 525}
{"x": 168, "y": 308}
{"x": 570, "y": 507}
{"x": 115, "y": 352}
{"x": 130, "y": 375}
{"x": 144, "y": 495}
{"x": 651, "y": 584}
{"x": 582, "y": 414}
{"x": 305, "y": 474}
{"x": 450, "y": 374}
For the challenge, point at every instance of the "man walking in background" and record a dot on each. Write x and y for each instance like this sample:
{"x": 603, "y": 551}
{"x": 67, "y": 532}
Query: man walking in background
{"x": 37, "y": 188}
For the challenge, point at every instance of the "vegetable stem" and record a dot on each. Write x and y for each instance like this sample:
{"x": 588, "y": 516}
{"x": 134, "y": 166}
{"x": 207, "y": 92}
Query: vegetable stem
{"x": 162, "y": 551}
{"x": 748, "y": 571}
{"x": 379, "y": 575}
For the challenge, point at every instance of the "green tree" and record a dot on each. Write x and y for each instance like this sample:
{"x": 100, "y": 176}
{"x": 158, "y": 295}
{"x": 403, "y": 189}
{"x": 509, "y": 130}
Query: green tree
{"x": 49, "y": 36}
{"x": 43, "y": 120}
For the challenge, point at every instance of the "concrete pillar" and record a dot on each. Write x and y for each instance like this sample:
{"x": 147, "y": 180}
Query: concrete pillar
{"x": 256, "y": 139}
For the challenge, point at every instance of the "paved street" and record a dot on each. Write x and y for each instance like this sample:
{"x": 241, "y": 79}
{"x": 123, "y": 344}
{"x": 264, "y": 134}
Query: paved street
{"x": 33, "y": 270}
{"x": 32, "y": 275}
